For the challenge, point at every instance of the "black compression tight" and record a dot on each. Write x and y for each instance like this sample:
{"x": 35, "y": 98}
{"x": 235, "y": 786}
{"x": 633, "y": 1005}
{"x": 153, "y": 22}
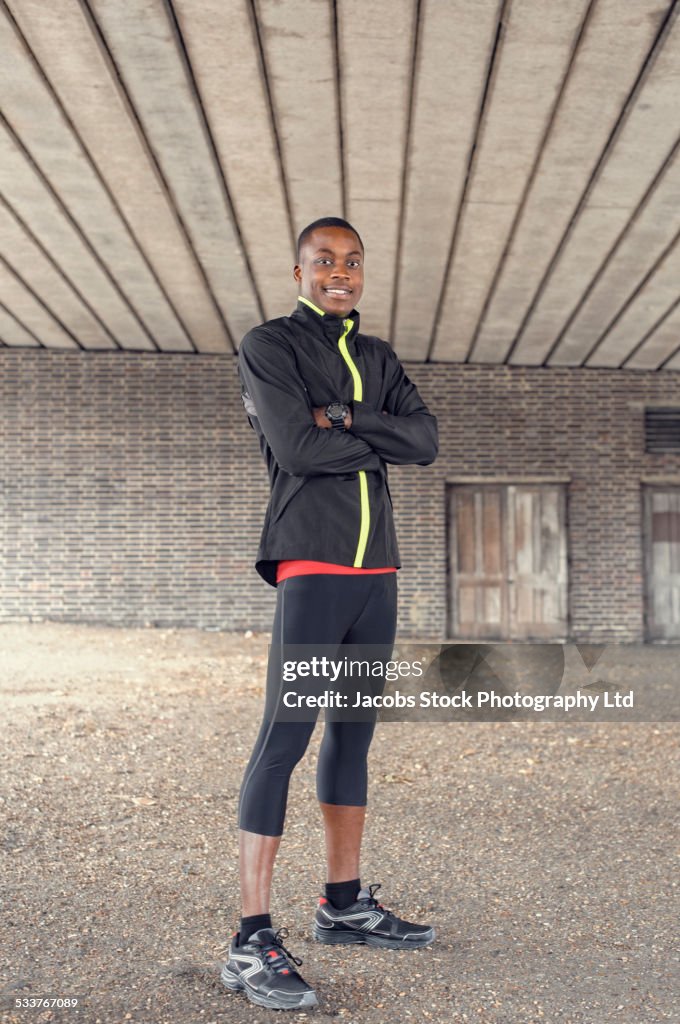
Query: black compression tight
{"x": 317, "y": 609}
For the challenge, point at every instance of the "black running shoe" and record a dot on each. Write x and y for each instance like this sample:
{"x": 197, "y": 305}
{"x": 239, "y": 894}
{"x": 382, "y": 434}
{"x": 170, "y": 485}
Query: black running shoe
{"x": 368, "y": 922}
{"x": 262, "y": 968}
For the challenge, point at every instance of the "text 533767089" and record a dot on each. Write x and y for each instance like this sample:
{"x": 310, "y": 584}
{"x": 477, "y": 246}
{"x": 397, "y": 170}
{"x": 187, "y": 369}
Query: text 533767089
{"x": 45, "y": 1002}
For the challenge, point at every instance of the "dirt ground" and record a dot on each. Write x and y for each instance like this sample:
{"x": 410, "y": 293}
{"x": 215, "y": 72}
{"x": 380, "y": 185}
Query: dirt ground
{"x": 545, "y": 854}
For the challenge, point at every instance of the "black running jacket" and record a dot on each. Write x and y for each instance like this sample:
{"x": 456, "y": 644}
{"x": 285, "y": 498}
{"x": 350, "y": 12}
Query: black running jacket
{"x": 330, "y": 499}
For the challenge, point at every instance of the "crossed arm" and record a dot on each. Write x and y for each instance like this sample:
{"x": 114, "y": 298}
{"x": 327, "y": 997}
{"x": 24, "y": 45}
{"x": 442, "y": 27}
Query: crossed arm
{"x": 402, "y": 433}
{"x": 321, "y": 420}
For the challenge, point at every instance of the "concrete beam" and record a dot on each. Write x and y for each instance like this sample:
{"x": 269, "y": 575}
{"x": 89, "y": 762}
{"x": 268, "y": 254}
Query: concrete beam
{"x": 668, "y": 340}
{"x": 632, "y": 258}
{"x": 30, "y": 197}
{"x": 144, "y": 44}
{"x": 375, "y": 61}
{"x": 642, "y": 312}
{"x": 35, "y": 315}
{"x": 224, "y": 52}
{"x": 615, "y": 43}
{"x": 650, "y": 132}
{"x": 14, "y": 334}
{"x": 65, "y": 42}
{"x": 299, "y": 50}
{"x": 531, "y": 62}
{"x": 29, "y": 261}
{"x": 455, "y": 46}
{"x": 37, "y": 119}
{"x": 661, "y": 345}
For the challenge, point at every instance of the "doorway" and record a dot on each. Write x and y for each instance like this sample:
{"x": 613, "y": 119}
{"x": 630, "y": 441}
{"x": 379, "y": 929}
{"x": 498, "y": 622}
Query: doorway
{"x": 661, "y": 531}
{"x": 507, "y": 562}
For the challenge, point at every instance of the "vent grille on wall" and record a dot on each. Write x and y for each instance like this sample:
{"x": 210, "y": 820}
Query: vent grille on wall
{"x": 662, "y": 430}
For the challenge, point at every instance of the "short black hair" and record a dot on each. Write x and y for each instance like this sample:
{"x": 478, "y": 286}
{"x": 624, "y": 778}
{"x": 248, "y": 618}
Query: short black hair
{"x": 324, "y": 222}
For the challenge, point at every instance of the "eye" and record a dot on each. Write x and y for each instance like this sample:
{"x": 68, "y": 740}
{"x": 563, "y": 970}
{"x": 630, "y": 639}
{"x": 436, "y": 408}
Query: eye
{"x": 323, "y": 259}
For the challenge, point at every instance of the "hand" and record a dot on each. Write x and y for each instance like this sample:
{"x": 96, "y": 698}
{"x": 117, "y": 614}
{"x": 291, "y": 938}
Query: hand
{"x": 321, "y": 420}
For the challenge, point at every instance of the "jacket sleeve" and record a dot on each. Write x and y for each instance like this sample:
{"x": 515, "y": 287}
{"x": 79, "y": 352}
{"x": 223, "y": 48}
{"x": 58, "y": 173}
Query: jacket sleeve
{"x": 275, "y": 394}
{"x": 405, "y": 432}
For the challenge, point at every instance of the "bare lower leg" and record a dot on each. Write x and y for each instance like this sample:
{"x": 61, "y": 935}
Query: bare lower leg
{"x": 344, "y": 827}
{"x": 256, "y": 863}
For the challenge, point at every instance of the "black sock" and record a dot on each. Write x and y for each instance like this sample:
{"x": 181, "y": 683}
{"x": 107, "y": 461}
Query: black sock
{"x": 342, "y": 894}
{"x": 250, "y": 925}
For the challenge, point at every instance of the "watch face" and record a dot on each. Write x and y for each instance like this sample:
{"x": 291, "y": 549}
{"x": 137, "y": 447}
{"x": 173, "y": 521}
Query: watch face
{"x": 335, "y": 410}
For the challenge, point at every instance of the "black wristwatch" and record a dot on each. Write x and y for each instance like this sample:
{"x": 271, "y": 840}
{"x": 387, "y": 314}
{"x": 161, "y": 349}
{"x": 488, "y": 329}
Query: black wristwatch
{"x": 336, "y": 412}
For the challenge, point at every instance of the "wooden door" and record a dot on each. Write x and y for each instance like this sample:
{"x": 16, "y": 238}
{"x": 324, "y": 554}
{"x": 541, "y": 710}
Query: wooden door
{"x": 508, "y": 562}
{"x": 662, "y": 562}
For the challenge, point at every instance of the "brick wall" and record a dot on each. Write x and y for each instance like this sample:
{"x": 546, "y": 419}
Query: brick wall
{"x": 132, "y": 489}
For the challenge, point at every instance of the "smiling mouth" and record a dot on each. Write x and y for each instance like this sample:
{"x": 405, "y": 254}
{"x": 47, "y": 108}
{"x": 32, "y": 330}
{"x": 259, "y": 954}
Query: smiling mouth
{"x": 338, "y": 291}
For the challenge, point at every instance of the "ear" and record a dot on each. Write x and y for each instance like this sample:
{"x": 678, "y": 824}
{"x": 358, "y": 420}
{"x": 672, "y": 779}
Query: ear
{"x": 297, "y": 273}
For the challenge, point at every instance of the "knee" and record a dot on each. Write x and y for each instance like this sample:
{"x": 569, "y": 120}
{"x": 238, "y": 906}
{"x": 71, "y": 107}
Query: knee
{"x": 282, "y": 748}
{"x": 346, "y": 742}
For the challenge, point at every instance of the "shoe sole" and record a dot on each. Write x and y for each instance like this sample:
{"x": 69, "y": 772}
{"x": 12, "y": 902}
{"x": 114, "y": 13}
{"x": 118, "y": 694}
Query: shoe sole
{"x": 234, "y": 984}
{"x": 337, "y": 938}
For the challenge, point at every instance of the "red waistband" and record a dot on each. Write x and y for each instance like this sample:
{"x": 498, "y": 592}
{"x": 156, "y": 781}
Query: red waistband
{"x": 303, "y": 567}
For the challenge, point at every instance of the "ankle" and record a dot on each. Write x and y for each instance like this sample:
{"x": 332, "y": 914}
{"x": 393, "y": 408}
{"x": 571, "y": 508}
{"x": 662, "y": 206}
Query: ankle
{"x": 343, "y": 894}
{"x": 251, "y": 924}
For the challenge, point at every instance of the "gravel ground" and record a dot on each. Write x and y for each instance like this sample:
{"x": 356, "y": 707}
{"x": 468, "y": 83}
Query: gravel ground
{"x": 545, "y": 854}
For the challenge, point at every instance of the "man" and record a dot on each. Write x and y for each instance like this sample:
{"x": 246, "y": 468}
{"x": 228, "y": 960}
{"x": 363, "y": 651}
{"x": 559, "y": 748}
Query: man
{"x": 331, "y": 408}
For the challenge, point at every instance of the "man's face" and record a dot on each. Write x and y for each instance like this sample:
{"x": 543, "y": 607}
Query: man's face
{"x": 331, "y": 270}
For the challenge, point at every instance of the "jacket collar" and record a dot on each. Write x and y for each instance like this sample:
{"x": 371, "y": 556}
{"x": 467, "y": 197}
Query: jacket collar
{"x": 325, "y": 326}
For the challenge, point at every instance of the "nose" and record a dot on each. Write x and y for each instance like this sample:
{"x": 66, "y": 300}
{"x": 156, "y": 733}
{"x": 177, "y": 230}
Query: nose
{"x": 340, "y": 272}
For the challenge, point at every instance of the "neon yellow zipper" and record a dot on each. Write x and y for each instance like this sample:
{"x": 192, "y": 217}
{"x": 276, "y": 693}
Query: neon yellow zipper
{"x": 363, "y": 483}
{"x": 365, "y": 522}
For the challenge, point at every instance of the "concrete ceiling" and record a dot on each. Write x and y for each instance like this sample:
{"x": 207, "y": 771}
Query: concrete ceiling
{"x": 513, "y": 167}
